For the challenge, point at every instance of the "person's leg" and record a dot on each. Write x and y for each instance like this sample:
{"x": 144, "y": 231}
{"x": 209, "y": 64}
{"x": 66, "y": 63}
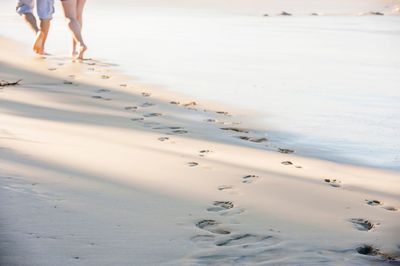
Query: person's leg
{"x": 31, "y": 20}
{"x": 41, "y": 37}
{"x": 45, "y": 9}
{"x": 70, "y": 7}
{"x": 80, "y": 4}
{"x": 25, "y": 9}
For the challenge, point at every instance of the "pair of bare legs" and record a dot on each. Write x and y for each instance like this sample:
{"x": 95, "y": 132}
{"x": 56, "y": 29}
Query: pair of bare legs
{"x": 73, "y": 12}
{"x": 41, "y": 32}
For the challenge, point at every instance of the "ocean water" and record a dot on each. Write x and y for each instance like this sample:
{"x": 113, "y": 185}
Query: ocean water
{"x": 326, "y": 86}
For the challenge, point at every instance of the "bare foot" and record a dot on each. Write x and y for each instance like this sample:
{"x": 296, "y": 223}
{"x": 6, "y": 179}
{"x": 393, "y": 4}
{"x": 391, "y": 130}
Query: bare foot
{"x": 38, "y": 44}
{"x": 82, "y": 50}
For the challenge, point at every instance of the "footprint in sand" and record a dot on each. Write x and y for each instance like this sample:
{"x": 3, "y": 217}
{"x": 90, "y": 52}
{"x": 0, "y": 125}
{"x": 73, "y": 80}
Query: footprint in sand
{"x": 377, "y": 202}
{"x": 248, "y": 179}
{"x": 137, "y": 119}
{"x": 246, "y": 240}
{"x": 146, "y": 94}
{"x": 367, "y": 250}
{"x": 284, "y": 13}
{"x": 179, "y": 131}
{"x": 163, "y": 138}
{"x": 225, "y": 187}
{"x": 175, "y": 102}
{"x": 235, "y": 129}
{"x": 373, "y": 202}
{"x": 190, "y": 104}
{"x": 52, "y": 69}
{"x": 102, "y": 91}
{"x": 105, "y": 77}
{"x": 374, "y": 13}
{"x": 333, "y": 182}
{"x": 152, "y": 114}
{"x": 66, "y": 82}
{"x": 203, "y": 153}
{"x": 172, "y": 128}
{"x": 223, "y": 113}
{"x": 225, "y": 208}
{"x": 285, "y": 151}
{"x": 390, "y": 208}
{"x": 146, "y": 104}
{"x": 256, "y": 140}
{"x": 220, "y": 206}
{"x": 130, "y": 108}
{"x": 211, "y": 120}
{"x": 228, "y": 189}
{"x": 370, "y": 250}
{"x": 362, "y": 224}
{"x": 192, "y": 164}
{"x": 100, "y": 98}
{"x": 212, "y": 226}
{"x": 290, "y": 163}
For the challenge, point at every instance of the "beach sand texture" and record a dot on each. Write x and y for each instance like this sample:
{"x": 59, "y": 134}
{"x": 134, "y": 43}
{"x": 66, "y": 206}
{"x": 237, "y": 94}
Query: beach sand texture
{"x": 325, "y": 84}
{"x": 98, "y": 170}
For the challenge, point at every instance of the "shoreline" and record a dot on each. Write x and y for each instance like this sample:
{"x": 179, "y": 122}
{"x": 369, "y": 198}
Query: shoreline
{"x": 246, "y": 118}
{"x": 279, "y": 91}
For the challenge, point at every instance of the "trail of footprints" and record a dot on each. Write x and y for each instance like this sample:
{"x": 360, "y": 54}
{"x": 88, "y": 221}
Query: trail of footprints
{"x": 221, "y": 236}
{"x": 169, "y": 130}
{"x": 366, "y": 225}
{"x": 219, "y": 206}
{"x": 172, "y": 130}
{"x": 248, "y": 179}
{"x": 335, "y": 183}
{"x": 218, "y": 234}
{"x": 180, "y": 130}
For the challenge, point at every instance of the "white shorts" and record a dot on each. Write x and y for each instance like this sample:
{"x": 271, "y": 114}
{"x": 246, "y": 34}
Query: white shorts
{"x": 44, "y": 8}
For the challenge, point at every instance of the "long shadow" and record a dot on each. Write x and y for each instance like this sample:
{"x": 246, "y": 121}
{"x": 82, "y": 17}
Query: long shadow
{"x": 114, "y": 115}
{"x": 7, "y": 243}
{"x": 81, "y": 94}
{"x": 12, "y": 156}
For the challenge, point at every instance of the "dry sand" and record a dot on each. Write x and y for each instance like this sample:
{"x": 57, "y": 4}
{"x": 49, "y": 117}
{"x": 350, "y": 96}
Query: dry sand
{"x": 98, "y": 170}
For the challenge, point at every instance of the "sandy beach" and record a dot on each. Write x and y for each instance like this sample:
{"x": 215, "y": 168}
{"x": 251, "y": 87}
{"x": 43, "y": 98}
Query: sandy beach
{"x": 314, "y": 82}
{"x": 100, "y": 168}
